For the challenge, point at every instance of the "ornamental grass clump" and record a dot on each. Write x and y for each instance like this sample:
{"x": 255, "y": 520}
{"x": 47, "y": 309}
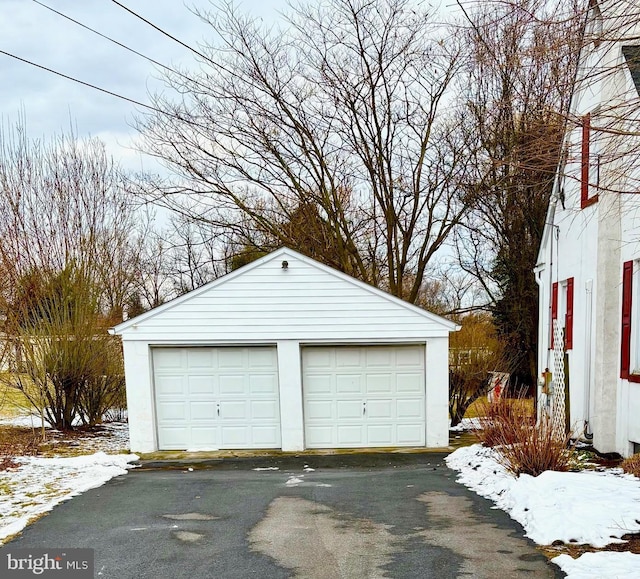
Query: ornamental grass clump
{"x": 631, "y": 465}
{"x": 524, "y": 445}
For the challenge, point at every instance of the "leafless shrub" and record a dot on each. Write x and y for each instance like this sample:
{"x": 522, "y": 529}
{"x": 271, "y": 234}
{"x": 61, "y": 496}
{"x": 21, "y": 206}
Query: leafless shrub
{"x": 631, "y": 465}
{"x": 524, "y": 446}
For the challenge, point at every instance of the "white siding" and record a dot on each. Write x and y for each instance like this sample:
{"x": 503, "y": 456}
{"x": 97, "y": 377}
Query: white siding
{"x": 270, "y": 303}
{"x": 591, "y": 244}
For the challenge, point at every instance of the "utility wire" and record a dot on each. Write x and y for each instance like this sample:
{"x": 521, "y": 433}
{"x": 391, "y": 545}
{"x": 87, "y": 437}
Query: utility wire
{"x": 111, "y": 93}
{"x": 161, "y": 31}
{"x": 108, "y": 38}
{"x": 93, "y": 86}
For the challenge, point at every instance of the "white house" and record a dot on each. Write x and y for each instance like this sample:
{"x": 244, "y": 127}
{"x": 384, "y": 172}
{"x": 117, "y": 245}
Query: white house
{"x": 589, "y": 261}
{"x": 286, "y": 353}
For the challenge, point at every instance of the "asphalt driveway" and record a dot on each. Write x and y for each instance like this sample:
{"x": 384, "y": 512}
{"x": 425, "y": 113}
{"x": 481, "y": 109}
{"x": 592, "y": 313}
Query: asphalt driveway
{"x": 399, "y": 517}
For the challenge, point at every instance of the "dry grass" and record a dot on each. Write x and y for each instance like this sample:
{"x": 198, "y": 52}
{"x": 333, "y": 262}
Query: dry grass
{"x": 17, "y": 442}
{"x": 12, "y": 401}
{"x": 479, "y": 407}
{"x": 524, "y": 445}
{"x": 631, "y": 465}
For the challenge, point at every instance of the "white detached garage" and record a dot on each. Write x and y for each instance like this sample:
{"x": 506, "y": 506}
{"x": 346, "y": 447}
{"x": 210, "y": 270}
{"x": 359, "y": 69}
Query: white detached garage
{"x": 286, "y": 353}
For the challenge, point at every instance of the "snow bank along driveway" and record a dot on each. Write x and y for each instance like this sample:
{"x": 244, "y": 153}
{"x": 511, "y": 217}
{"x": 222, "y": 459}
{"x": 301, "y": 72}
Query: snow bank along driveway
{"x": 587, "y": 507}
{"x": 38, "y": 484}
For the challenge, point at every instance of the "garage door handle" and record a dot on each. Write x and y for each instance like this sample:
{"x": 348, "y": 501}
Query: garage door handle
{"x": 218, "y": 409}
{"x": 364, "y": 408}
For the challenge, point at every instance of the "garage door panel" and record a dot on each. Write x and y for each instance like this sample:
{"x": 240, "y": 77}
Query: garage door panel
{"x": 348, "y": 409}
{"x": 170, "y": 385}
{"x": 172, "y": 410}
{"x": 203, "y": 437}
{"x": 410, "y": 409}
{"x": 387, "y": 381}
{"x": 174, "y": 438}
{"x": 320, "y": 437}
{"x": 263, "y": 384}
{"x": 350, "y": 435}
{"x": 262, "y": 358}
{"x": 231, "y": 384}
{"x": 265, "y": 436}
{"x": 318, "y": 384}
{"x": 410, "y": 357}
{"x": 348, "y": 358}
{"x": 319, "y": 410}
{"x": 217, "y": 397}
{"x": 200, "y": 410}
{"x": 264, "y": 410}
{"x": 380, "y": 435}
{"x": 380, "y": 409}
{"x": 232, "y": 358}
{"x": 380, "y": 356}
{"x": 170, "y": 359}
{"x": 200, "y": 358}
{"x": 235, "y": 437}
{"x": 318, "y": 358}
{"x": 410, "y": 434}
{"x": 201, "y": 385}
{"x": 234, "y": 410}
{"x": 377, "y": 383}
{"x": 409, "y": 383}
{"x": 349, "y": 384}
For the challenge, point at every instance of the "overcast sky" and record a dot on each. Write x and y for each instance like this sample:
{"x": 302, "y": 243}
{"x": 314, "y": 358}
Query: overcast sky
{"x": 50, "y": 103}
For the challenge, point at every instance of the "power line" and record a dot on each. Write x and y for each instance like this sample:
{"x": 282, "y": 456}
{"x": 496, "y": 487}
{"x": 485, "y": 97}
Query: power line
{"x": 161, "y": 31}
{"x": 108, "y": 38}
{"x": 189, "y": 121}
{"x": 82, "y": 82}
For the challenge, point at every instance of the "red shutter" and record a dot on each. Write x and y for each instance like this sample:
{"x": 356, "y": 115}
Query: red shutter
{"x": 568, "y": 318}
{"x": 584, "y": 173}
{"x": 554, "y": 307}
{"x": 625, "y": 347}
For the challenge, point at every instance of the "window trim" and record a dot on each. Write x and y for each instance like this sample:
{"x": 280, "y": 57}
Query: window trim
{"x": 554, "y": 312}
{"x": 585, "y": 165}
{"x": 568, "y": 316}
{"x": 626, "y": 323}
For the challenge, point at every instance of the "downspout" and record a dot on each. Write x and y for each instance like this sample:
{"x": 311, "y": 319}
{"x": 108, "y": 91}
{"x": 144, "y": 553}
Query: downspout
{"x": 587, "y": 398}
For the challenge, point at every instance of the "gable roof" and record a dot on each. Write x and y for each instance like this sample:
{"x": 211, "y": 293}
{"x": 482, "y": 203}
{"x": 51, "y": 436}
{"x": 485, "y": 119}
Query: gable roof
{"x": 632, "y": 56}
{"x": 275, "y": 255}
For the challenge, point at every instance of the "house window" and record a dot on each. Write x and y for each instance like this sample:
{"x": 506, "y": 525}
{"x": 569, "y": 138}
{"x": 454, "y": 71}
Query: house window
{"x": 590, "y": 164}
{"x": 630, "y": 326}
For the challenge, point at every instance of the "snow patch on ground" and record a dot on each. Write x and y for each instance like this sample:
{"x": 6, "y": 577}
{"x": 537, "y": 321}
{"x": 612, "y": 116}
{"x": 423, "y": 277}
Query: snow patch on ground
{"x": 39, "y": 484}
{"x": 113, "y": 439}
{"x": 23, "y": 421}
{"x": 599, "y": 565}
{"x": 585, "y": 507}
{"x": 294, "y": 481}
{"x": 466, "y": 424}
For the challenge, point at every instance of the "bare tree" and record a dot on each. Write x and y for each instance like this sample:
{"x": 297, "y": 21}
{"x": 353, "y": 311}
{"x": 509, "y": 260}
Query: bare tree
{"x": 343, "y": 115}
{"x": 62, "y": 202}
{"x": 521, "y": 67}
{"x": 195, "y": 254}
{"x": 69, "y": 257}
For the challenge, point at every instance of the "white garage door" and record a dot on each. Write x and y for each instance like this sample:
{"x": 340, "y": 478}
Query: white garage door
{"x": 210, "y": 398}
{"x": 364, "y": 396}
